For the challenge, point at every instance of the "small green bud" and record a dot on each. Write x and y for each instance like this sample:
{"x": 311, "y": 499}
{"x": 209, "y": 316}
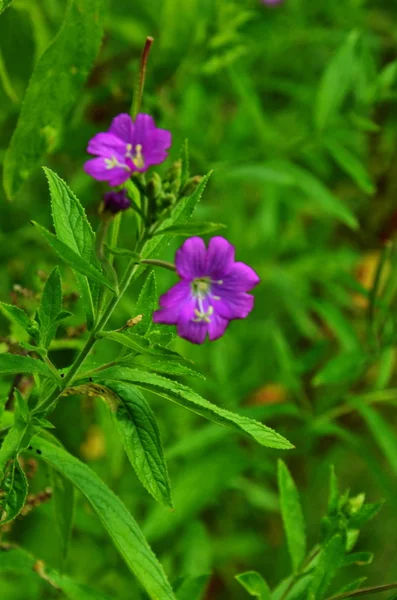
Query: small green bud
{"x": 173, "y": 178}
{"x": 154, "y": 186}
{"x": 191, "y": 185}
{"x": 356, "y": 503}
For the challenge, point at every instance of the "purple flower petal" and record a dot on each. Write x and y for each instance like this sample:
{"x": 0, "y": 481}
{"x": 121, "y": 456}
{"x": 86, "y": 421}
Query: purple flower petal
{"x": 177, "y": 295}
{"x": 123, "y": 127}
{"x": 220, "y": 257}
{"x": 190, "y": 259}
{"x": 233, "y": 305}
{"x": 241, "y": 278}
{"x": 190, "y": 329}
{"x": 107, "y": 144}
{"x": 97, "y": 168}
{"x": 217, "y": 327}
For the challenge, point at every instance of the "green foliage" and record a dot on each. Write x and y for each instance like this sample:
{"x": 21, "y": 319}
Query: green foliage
{"x": 53, "y": 90}
{"x": 291, "y": 512}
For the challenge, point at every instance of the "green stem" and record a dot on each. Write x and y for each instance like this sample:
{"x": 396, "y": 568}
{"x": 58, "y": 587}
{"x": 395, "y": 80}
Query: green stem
{"x": 158, "y": 263}
{"x": 68, "y": 379}
{"x": 365, "y": 591}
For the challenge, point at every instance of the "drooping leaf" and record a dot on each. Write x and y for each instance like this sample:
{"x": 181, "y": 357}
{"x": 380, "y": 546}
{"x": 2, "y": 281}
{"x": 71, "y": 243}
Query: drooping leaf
{"x": 20, "y": 562}
{"x": 114, "y": 516}
{"x": 50, "y": 308}
{"x": 141, "y": 439}
{"x": 63, "y": 503}
{"x": 74, "y": 260}
{"x": 292, "y": 515}
{"x": 255, "y": 585}
{"x": 182, "y": 395}
{"x": 53, "y": 89}
{"x": 13, "y": 492}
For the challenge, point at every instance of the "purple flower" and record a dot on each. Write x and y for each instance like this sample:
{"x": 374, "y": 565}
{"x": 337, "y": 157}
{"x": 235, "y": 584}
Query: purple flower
{"x": 114, "y": 202}
{"x": 212, "y": 291}
{"x": 127, "y": 147}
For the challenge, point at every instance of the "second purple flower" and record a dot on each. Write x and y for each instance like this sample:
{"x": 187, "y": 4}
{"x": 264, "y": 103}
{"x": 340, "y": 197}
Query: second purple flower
{"x": 127, "y": 147}
{"x": 212, "y": 291}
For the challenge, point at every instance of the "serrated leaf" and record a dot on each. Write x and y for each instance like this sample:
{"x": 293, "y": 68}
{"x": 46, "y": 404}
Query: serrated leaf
{"x": 70, "y": 220}
{"x": 146, "y": 304}
{"x": 161, "y": 365}
{"x": 189, "y": 229}
{"x": 291, "y": 512}
{"x": 49, "y": 308}
{"x": 13, "y": 493}
{"x": 11, "y": 364}
{"x": 20, "y": 562}
{"x": 336, "y": 82}
{"x": 16, "y": 315}
{"x": 74, "y": 260}
{"x": 185, "y": 397}
{"x": 141, "y": 439}
{"x": 63, "y": 503}
{"x": 114, "y": 516}
{"x": 255, "y": 585}
{"x": 139, "y": 344}
{"x": 21, "y": 407}
{"x": 53, "y": 89}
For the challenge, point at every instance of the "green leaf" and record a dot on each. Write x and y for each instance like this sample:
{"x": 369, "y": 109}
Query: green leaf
{"x": 50, "y": 308}
{"x": 336, "y": 82}
{"x": 139, "y": 344}
{"x": 11, "y": 364}
{"x": 114, "y": 516}
{"x": 351, "y": 165}
{"x": 190, "y": 229}
{"x": 346, "y": 367}
{"x": 4, "y": 4}
{"x": 185, "y": 397}
{"x": 146, "y": 304}
{"x": 20, "y": 562}
{"x": 358, "y": 558}
{"x": 382, "y": 432}
{"x": 292, "y": 515}
{"x": 53, "y": 90}
{"x": 21, "y": 407}
{"x": 192, "y": 588}
{"x": 70, "y": 220}
{"x": 364, "y": 514}
{"x": 180, "y": 215}
{"x": 161, "y": 365}
{"x": 12, "y": 443}
{"x": 74, "y": 260}
{"x": 13, "y": 493}
{"x": 63, "y": 503}
{"x": 255, "y": 585}
{"x": 330, "y": 560}
{"x": 141, "y": 439}
{"x": 16, "y": 315}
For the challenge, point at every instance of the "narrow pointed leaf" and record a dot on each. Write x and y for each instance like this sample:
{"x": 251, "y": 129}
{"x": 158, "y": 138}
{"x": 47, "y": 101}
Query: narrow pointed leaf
{"x": 114, "y": 516}
{"x": 16, "y": 315}
{"x": 292, "y": 515}
{"x": 146, "y": 304}
{"x": 14, "y": 363}
{"x": 49, "y": 308}
{"x": 185, "y": 397}
{"x": 13, "y": 493}
{"x": 255, "y": 585}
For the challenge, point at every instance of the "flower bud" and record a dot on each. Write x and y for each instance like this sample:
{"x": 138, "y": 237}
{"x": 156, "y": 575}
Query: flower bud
{"x": 154, "y": 186}
{"x": 114, "y": 202}
{"x": 191, "y": 185}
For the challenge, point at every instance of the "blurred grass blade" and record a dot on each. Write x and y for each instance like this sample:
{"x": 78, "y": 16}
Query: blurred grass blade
{"x": 140, "y": 435}
{"x": 53, "y": 90}
{"x": 4, "y": 4}
{"x": 255, "y": 585}
{"x": 63, "y": 501}
{"x": 382, "y": 433}
{"x": 185, "y": 397}
{"x": 20, "y": 562}
{"x": 114, "y": 516}
{"x": 330, "y": 560}
{"x": 351, "y": 165}
{"x": 292, "y": 515}
{"x": 336, "y": 82}
{"x": 192, "y": 588}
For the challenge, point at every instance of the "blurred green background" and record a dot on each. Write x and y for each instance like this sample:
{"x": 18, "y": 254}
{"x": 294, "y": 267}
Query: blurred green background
{"x": 294, "y": 107}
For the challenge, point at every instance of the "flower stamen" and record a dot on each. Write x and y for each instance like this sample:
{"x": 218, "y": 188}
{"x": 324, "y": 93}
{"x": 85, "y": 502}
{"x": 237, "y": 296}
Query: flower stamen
{"x": 137, "y": 158}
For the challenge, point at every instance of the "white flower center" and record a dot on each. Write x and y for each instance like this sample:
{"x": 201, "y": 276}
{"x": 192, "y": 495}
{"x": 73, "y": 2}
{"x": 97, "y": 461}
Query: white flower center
{"x": 114, "y": 162}
{"x": 201, "y": 289}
